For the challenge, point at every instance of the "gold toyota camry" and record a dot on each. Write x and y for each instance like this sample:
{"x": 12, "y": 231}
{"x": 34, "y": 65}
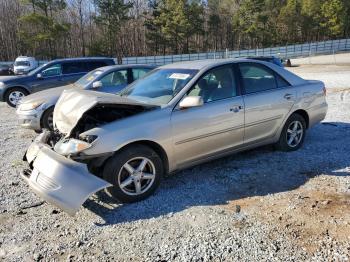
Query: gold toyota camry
{"x": 176, "y": 116}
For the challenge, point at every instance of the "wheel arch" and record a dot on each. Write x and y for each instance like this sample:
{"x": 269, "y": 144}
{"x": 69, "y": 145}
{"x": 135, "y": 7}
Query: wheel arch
{"x": 43, "y": 113}
{"x": 156, "y": 147}
{"x": 304, "y": 114}
{"x": 16, "y": 86}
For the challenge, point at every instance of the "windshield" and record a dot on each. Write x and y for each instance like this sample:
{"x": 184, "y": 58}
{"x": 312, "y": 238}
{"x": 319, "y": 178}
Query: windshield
{"x": 22, "y": 63}
{"x": 89, "y": 78}
{"x": 160, "y": 86}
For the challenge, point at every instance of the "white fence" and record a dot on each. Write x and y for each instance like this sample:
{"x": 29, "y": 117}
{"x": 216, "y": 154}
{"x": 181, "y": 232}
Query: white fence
{"x": 289, "y": 51}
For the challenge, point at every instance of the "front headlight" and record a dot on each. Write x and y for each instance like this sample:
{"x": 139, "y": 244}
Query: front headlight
{"x": 71, "y": 146}
{"x": 2, "y": 84}
{"x": 30, "y": 106}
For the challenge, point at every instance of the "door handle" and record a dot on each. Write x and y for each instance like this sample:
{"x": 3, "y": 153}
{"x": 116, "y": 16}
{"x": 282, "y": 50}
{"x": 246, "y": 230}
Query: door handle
{"x": 288, "y": 96}
{"x": 236, "y": 109}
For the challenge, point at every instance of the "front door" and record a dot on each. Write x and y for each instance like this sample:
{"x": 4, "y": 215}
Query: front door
{"x": 114, "y": 81}
{"x": 215, "y": 126}
{"x": 51, "y": 76}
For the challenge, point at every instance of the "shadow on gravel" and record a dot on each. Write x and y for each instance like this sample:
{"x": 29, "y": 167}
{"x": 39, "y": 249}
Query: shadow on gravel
{"x": 257, "y": 172}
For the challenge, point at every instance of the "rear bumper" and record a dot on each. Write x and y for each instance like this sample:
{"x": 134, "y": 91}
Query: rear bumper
{"x": 59, "y": 180}
{"x": 29, "y": 119}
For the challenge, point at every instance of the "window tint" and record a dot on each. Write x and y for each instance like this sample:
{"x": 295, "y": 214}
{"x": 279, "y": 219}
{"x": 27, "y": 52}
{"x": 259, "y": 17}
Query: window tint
{"x": 139, "y": 72}
{"x": 73, "y": 67}
{"x": 216, "y": 84}
{"x": 53, "y": 70}
{"x": 115, "y": 78}
{"x": 91, "y": 65}
{"x": 281, "y": 82}
{"x": 257, "y": 78}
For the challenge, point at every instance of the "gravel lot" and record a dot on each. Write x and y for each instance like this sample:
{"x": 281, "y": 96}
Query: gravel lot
{"x": 257, "y": 205}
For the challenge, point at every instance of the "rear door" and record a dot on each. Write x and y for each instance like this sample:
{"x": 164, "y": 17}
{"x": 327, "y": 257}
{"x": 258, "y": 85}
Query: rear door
{"x": 268, "y": 98}
{"x": 72, "y": 71}
{"x": 216, "y": 126}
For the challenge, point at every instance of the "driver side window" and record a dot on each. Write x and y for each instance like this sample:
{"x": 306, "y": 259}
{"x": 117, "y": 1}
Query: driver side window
{"x": 217, "y": 84}
{"x": 53, "y": 70}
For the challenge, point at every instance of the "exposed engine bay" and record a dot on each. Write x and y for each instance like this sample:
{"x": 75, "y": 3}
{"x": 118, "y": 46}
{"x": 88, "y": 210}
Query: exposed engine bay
{"x": 102, "y": 114}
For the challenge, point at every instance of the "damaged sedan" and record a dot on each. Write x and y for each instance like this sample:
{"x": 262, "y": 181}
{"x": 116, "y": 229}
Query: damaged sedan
{"x": 177, "y": 116}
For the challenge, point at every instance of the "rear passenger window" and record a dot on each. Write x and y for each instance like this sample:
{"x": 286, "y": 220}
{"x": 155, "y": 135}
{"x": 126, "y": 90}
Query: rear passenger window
{"x": 139, "y": 72}
{"x": 73, "y": 68}
{"x": 257, "y": 78}
{"x": 281, "y": 82}
{"x": 92, "y": 65}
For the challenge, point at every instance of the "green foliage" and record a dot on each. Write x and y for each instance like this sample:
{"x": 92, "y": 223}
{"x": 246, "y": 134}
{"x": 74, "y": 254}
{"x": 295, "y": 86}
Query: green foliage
{"x": 174, "y": 22}
{"x": 39, "y": 30}
{"x": 111, "y": 16}
{"x": 334, "y": 14}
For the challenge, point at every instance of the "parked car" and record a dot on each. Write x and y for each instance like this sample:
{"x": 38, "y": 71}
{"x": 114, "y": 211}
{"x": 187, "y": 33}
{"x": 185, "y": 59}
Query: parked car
{"x": 5, "y": 70}
{"x": 24, "y": 64}
{"x": 270, "y": 59}
{"x": 53, "y": 74}
{"x": 177, "y": 116}
{"x": 36, "y": 110}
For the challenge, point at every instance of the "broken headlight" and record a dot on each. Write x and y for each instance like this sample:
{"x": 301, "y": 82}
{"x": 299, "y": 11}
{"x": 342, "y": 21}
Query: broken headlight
{"x": 67, "y": 147}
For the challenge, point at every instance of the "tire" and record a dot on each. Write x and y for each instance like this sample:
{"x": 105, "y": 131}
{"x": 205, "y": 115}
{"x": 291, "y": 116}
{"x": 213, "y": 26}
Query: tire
{"x": 117, "y": 172}
{"x": 295, "y": 126}
{"x": 47, "y": 119}
{"x": 13, "y": 95}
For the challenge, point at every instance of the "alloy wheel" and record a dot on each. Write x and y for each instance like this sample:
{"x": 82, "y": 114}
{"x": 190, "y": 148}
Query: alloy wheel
{"x": 136, "y": 176}
{"x": 50, "y": 121}
{"x": 15, "y": 97}
{"x": 295, "y": 132}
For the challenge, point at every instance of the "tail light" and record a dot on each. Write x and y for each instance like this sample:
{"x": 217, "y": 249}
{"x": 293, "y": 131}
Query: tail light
{"x": 324, "y": 91}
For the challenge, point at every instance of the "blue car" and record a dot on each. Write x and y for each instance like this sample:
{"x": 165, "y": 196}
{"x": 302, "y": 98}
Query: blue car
{"x": 36, "y": 111}
{"x": 53, "y": 74}
{"x": 270, "y": 59}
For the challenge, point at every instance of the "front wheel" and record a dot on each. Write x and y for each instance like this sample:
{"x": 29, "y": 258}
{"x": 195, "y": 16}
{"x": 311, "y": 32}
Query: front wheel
{"x": 293, "y": 134}
{"x": 135, "y": 173}
{"x": 14, "y": 95}
{"x": 47, "y": 119}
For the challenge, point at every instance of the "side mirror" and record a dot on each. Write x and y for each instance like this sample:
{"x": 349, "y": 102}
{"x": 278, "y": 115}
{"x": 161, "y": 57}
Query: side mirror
{"x": 191, "y": 101}
{"x": 96, "y": 85}
{"x": 39, "y": 76}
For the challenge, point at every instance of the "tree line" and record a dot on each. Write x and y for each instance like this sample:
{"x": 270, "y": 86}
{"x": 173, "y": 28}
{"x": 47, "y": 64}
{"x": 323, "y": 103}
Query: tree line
{"x": 50, "y": 29}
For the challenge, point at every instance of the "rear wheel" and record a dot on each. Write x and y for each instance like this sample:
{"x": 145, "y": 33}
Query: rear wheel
{"x": 14, "y": 95}
{"x": 293, "y": 134}
{"x": 135, "y": 173}
{"x": 47, "y": 119}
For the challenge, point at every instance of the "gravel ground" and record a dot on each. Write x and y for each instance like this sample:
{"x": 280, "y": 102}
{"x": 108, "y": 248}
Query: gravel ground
{"x": 260, "y": 205}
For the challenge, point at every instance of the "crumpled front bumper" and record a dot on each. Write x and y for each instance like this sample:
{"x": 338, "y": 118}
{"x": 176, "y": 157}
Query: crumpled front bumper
{"x": 57, "y": 179}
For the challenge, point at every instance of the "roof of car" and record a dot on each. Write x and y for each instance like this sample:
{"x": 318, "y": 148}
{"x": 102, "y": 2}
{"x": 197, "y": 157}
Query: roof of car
{"x": 107, "y": 68}
{"x": 81, "y": 59}
{"x": 208, "y": 64}
{"x": 202, "y": 64}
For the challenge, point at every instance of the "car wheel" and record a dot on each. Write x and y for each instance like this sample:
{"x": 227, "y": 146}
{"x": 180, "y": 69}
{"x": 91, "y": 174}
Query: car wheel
{"x": 47, "y": 119}
{"x": 135, "y": 173}
{"x": 293, "y": 134}
{"x": 14, "y": 95}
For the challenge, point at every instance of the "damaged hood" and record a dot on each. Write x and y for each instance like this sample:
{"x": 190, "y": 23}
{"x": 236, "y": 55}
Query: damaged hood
{"x": 72, "y": 105}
